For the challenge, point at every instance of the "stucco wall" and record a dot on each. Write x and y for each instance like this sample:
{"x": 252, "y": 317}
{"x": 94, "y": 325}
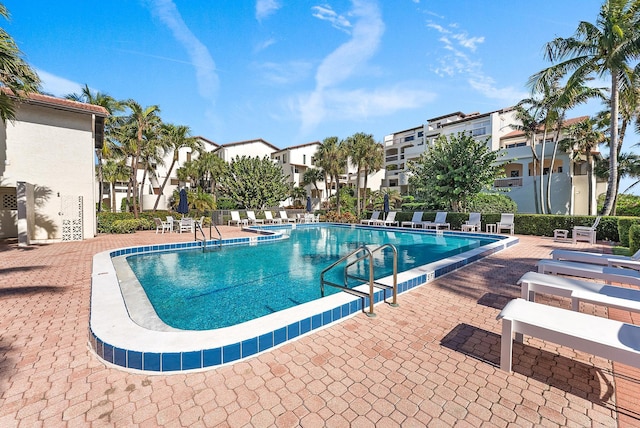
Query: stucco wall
{"x": 53, "y": 150}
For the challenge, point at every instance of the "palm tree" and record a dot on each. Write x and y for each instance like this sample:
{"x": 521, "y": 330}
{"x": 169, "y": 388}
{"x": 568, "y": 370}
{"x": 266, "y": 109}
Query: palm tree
{"x": 605, "y": 47}
{"x": 356, "y": 147}
{"x": 331, "y": 157}
{"x": 151, "y": 155}
{"x": 112, "y": 106}
{"x": 114, "y": 171}
{"x": 139, "y": 120}
{"x": 531, "y": 120}
{"x": 373, "y": 162}
{"x": 210, "y": 168}
{"x": 15, "y": 73}
{"x": 312, "y": 176}
{"x": 174, "y": 137}
{"x": 583, "y": 138}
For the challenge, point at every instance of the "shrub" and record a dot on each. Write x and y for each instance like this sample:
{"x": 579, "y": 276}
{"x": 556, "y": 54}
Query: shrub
{"x": 624, "y": 224}
{"x": 634, "y": 238}
{"x": 345, "y": 217}
{"x": 126, "y": 226}
{"x": 492, "y": 203}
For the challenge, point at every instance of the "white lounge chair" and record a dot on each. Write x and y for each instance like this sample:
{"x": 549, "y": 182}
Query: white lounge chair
{"x": 506, "y": 222}
{"x": 389, "y": 221}
{"x": 603, "y": 337}
{"x": 251, "y": 216}
{"x": 235, "y": 219}
{"x": 577, "y": 290}
{"x": 439, "y": 222}
{"x": 374, "y": 217}
{"x": 171, "y": 222}
{"x": 632, "y": 262}
{"x": 285, "y": 218}
{"x": 162, "y": 225}
{"x": 585, "y": 233}
{"x": 473, "y": 224}
{"x": 587, "y": 270}
{"x": 186, "y": 225}
{"x": 268, "y": 215}
{"x": 415, "y": 220}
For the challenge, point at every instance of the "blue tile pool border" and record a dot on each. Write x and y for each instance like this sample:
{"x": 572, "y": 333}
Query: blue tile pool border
{"x": 236, "y": 350}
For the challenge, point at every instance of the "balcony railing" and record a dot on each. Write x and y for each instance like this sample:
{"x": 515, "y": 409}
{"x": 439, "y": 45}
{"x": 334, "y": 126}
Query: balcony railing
{"x": 508, "y": 182}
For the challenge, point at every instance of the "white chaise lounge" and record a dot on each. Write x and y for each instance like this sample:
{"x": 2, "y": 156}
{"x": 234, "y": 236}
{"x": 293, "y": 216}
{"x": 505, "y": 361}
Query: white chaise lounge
{"x": 603, "y": 337}
{"x": 370, "y": 221}
{"x": 632, "y": 262}
{"x": 439, "y": 222}
{"x": 587, "y": 270}
{"x": 416, "y": 219}
{"x": 579, "y": 291}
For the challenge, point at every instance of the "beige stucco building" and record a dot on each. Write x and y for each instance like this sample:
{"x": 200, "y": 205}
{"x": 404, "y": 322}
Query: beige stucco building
{"x": 47, "y": 170}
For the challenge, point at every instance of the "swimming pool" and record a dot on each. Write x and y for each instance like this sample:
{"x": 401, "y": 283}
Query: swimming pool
{"x": 123, "y": 335}
{"x": 196, "y": 290}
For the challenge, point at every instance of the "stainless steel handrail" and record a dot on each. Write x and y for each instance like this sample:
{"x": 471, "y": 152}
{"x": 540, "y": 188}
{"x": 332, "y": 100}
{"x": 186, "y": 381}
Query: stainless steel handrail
{"x": 370, "y": 280}
{"x": 198, "y": 226}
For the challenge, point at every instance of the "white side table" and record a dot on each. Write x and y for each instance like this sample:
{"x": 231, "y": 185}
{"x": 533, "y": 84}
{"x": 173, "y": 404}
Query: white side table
{"x": 491, "y": 228}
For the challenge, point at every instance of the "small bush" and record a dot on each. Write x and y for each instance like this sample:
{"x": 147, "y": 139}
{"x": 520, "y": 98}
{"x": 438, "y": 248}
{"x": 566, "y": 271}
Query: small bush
{"x": 492, "y": 203}
{"x": 126, "y": 226}
{"x": 634, "y": 238}
{"x": 345, "y": 217}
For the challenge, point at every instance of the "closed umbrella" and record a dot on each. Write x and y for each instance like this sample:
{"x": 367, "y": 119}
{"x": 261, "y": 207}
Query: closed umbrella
{"x": 183, "y": 205}
{"x": 386, "y": 204}
{"x": 308, "y": 204}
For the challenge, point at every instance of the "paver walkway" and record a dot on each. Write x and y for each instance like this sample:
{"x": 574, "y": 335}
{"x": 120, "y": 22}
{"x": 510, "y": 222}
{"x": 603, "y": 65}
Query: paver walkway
{"x": 433, "y": 360}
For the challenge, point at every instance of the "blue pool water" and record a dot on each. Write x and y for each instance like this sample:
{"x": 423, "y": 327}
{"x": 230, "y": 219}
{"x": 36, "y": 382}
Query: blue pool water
{"x": 196, "y": 290}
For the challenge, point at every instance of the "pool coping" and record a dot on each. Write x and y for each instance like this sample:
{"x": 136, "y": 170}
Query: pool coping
{"x": 119, "y": 341}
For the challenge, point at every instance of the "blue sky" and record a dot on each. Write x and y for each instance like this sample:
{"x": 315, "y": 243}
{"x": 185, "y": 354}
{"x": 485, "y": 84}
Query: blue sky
{"x": 295, "y": 71}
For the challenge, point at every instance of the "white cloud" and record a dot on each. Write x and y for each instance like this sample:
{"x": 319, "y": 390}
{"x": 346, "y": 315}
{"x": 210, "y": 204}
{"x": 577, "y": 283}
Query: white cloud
{"x": 264, "y": 44}
{"x": 266, "y": 8}
{"x": 198, "y": 53}
{"x": 342, "y": 63}
{"x": 56, "y": 85}
{"x": 468, "y": 42}
{"x": 487, "y": 87}
{"x": 326, "y": 13}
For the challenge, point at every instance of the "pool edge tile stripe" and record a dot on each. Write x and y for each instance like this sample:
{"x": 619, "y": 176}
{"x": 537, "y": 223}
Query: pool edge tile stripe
{"x": 103, "y": 276}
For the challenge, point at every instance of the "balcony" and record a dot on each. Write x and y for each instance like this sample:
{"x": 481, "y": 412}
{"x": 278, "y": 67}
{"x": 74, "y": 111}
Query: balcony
{"x": 508, "y": 182}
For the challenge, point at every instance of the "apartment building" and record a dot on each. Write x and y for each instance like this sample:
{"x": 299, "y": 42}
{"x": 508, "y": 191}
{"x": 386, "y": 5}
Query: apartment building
{"x": 499, "y": 128}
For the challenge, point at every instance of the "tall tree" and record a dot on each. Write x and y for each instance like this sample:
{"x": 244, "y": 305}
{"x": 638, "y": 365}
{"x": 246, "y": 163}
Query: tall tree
{"x": 604, "y": 48}
{"x": 312, "y": 176}
{"x": 112, "y": 106}
{"x": 140, "y": 120}
{"x": 357, "y": 147}
{"x": 114, "y": 171}
{"x": 173, "y": 137}
{"x": 331, "y": 156}
{"x": 15, "y": 73}
{"x": 454, "y": 169}
{"x": 373, "y": 162}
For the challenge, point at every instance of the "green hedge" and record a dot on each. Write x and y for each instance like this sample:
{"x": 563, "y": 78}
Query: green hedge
{"x": 634, "y": 238}
{"x": 624, "y": 225}
{"x": 109, "y": 222}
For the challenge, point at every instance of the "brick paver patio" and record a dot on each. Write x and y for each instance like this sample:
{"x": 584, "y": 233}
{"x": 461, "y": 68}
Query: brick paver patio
{"x": 431, "y": 361}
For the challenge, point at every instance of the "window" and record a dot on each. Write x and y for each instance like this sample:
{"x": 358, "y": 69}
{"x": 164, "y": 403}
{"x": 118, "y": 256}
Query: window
{"x": 515, "y": 173}
{"x": 420, "y": 134}
{"x": 188, "y": 156}
{"x": 559, "y": 170}
{"x": 478, "y": 131}
{"x": 284, "y": 158}
{"x": 409, "y": 138}
{"x": 304, "y": 159}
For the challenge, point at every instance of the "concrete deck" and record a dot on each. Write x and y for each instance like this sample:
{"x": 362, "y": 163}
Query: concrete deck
{"x": 433, "y": 360}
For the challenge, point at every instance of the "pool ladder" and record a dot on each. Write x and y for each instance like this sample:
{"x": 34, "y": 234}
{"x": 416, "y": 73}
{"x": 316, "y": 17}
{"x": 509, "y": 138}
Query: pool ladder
{"x": 198, "y": 227}
{"x": 362, "y": 254}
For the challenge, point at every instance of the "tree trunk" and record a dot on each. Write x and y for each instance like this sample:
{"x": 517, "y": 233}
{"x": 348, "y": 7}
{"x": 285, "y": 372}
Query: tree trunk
{"x": 553, "y": 160}
{"x": 542, "y": 149}
{"x": 364, "y": 198}
{"x": 612, "y": 189}
{"x": 590, "y": 209}
{"x": 164, "y": 182}
{"x": 113, "y": 197}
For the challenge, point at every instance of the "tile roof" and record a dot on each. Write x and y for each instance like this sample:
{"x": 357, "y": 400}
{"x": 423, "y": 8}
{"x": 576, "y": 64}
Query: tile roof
{"x": 568, "y": 122}
{"x": 60, "y": 103}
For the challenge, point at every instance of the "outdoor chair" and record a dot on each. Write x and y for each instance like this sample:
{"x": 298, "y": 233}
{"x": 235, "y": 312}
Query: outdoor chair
{"x": 268, "y": 216}
{"x": 389, "y": 221}
{"x": 632, "y": 262}
{"x": 162, "y": 225}
{"x": 590, "y": 271}
{"x": 440, "y": 221}
{"x": 284, "y": 217}
{"x": 171, "y": 222}
{"x": 374, "y": 217}
{"x": 186, "y": 225}
{"x": 415, "y": 220}
{"x": 473, "y": 224}
{"x": 251, "y": 216}
{"x": 506, "y": 222}
{"x": 586, "y": 233}
{"x": 235, "y": 219}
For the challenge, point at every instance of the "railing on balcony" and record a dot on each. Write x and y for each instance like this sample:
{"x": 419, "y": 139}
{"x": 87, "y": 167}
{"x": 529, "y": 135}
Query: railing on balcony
{"x": 508, "y": 182}
{"x": 392, "y": 158}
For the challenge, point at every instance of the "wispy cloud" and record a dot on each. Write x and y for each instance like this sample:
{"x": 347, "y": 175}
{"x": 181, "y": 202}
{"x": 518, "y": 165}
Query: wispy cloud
{"x": 460, "y": 60}
{"x": 342, "y": 63}
{"x": 205, "y": 67}
{"x": 326, "y": 13}
{"x": 264, "y": 44}
{"x": 285, "y": 73}
{"x": 266, "y": 8}
{"x": 56, "y": 85}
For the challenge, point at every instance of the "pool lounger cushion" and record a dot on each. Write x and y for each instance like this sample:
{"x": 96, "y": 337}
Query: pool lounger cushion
{"x": 588, "y": 270}
{"x": 579, "y": 290}
{"x": 597, "y": 258}
{"x": 603, "y": 337}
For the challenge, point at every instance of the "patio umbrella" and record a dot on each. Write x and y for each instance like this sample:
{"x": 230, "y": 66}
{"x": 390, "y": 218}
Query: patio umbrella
{"x": 386, "y": 204}
{"x": 308, "y": 204}
{"x": 183, "y": 205}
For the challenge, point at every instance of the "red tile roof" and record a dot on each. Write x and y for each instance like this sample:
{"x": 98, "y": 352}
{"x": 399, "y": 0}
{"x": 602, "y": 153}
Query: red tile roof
{"x": 566, "y": 123}
{"x": 60, "y": 103}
